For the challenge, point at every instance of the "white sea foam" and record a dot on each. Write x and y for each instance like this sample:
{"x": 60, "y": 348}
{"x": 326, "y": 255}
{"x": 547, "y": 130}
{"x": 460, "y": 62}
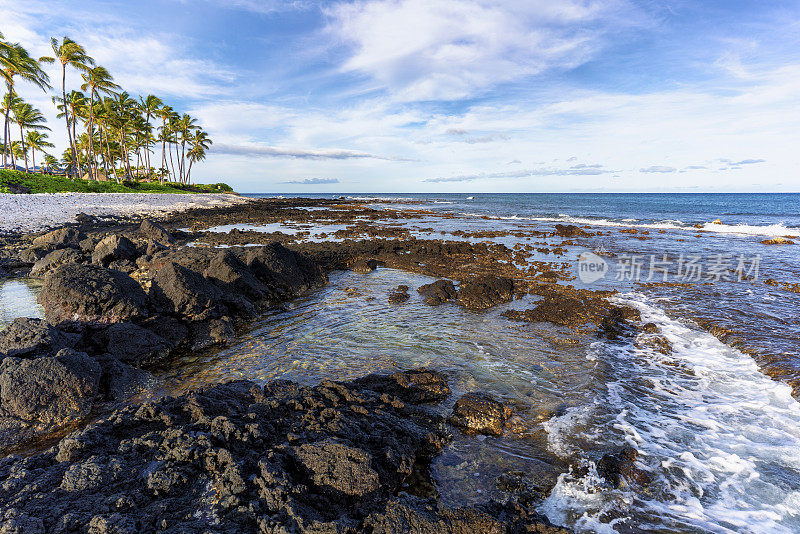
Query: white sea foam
{"x": 669, "y": 224}
{"x": 720, "y": 440}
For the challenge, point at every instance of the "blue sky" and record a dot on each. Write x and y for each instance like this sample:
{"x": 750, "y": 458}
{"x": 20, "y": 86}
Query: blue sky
{"x": 457, "y": 95}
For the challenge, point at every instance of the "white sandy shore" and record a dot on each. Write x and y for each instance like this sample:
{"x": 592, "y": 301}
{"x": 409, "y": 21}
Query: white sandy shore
{"x": 31, "y": 213}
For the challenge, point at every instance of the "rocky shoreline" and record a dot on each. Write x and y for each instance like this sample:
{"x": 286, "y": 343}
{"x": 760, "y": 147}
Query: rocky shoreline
{"x": 123, "y": 300}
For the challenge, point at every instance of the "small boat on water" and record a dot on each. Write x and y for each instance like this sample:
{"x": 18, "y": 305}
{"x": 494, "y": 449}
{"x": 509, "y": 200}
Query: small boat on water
{"x": 470, "y": 198}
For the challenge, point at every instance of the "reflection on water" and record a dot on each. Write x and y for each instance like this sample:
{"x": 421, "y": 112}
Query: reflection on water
{"x": 18, "y": 299}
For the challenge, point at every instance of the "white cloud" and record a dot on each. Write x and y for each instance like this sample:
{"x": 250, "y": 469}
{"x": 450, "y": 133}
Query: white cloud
{"x": 451, "y": 49}
{"x": 658, "y": 169}
{"x": 259, "y": 150}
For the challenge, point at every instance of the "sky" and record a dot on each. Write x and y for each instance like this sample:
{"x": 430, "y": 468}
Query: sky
{"x": 455, "y": 95}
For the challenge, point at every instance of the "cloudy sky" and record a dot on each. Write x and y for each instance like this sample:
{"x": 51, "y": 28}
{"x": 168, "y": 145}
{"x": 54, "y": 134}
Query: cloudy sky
{"x": 457, "y": 95}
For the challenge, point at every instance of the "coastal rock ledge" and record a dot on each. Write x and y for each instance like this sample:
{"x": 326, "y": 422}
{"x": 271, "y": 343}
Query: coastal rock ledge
{"x": 336, "y": 457}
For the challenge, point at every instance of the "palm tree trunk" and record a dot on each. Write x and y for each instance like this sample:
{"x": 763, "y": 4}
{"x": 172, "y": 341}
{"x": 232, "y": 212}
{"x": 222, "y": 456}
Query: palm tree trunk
{"x": 7, "y": 132}
{"x": 66, "y": 110}
{"x": 24, "y": 149}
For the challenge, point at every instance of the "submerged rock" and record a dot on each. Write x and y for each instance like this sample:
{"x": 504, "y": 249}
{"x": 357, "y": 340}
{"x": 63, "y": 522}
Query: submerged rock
{"x": 485, "y": 292}
{"x": 91, "y": 294}
{"x": 569, "y": 230}
{"x": 438, "y": 292}
{"x": 620, "y": 468}
{"x": 365, "y": 266}
{"x": 480, "y": 414}
{"x": 29, "y": 338}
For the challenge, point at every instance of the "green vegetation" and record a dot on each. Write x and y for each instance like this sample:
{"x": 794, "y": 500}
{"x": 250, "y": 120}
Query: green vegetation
{"x": 21, "y": 182}
{"x": 110, "y": 133}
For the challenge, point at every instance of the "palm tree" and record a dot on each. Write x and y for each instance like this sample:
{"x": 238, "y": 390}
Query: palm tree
{"x": 199, "y": 144}
{"x": 76, "y": 104}
{"x": 96, "y": 80}
{"x": 149, "y": 106}
{"x": 27, "y": 118}
{"x": 69, "y": 53}
{"x": 15, "y": 61}
{"x": 165, "y": 114}
{"x": 50, "y": 162}
{"x": 37, "y": 141}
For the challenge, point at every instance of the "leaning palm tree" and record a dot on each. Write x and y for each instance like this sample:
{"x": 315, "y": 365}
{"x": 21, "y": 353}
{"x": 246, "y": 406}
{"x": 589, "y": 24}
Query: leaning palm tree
{"x": 50, "y": 162}
{"x": 15, "y": 61}
{"x": 28, "y": 118}
{"x": 69, "y": 53}
{"x": 37, "y": 141}
{"x": 164, "y": 113}
{"x": 96, "y": 80}
{"x": 200, "y": 143}
{"x": 149, "y": 106}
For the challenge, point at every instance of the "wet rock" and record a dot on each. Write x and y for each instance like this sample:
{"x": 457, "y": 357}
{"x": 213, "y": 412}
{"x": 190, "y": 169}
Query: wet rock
{"x": 485, "y": 292}
{"x": 407, "y": 513}
{"x": 365, "y": 266}
{"x": 438, "y": 292}
{"x": 154, "y": 246}
{"x": 416, "y": 386}
{"x": 777, "y": 241}
{"x": 55, "y": 259}
{"x": 135, "y": 345}
{"x": 91, "y": 294}
{"x": 182, "y": 291}
{"x": 289, "y": 271}
{"x": 569, "y": 230}
{"x": 156, "y": 232}
{"x": 228, "y": 269}
{"x": 650, "y": 328}
{"x": 615, "y": 325}
{"x": 620, "y": 468}
{"x": 113, "y": 247}
{"x": 480, "y": 414}
{"x": 48, "y": 392}
{"x": 29, "y": 338}
{"x": 63, "y": 237}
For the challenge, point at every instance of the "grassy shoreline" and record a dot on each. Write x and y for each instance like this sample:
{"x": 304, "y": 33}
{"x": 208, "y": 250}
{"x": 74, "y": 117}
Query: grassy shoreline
{"x": 19, "y": 182}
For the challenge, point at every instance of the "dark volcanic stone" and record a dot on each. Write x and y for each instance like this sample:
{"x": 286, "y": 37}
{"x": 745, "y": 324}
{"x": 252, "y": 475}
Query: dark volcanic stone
{"x": 615, "y": 324}
{"x": 228, "y": 269}
{"x": 438, "y": 292}
{"x": 168, "y": 328}
{"x": 204, "y": 334}
{"x": 52, "y": 390}
{"x": 156, "y": 232}
{"x": 289, "y": 271}
{"x": 620, "y": 468}
{"x": 135, "y": 345}
{"x": 91, "y": 294}
{"x": 480, "y": 413}
{"x": 119, "y": 381}
{"x": 63, "y": 237}
{"x": 113, "y": 247}
{"x": 569, "y": 230}
{"x": 287, "y": 458}
{"x": 182, "y": 291}
{"x": 55, "y": 259}
{"x": 28, "y": 338}
{"x": 398, "y": 297}
{"x": 415, "y": 386}
{"x": 31, "y": 255}
{"x": 485, "y": 292}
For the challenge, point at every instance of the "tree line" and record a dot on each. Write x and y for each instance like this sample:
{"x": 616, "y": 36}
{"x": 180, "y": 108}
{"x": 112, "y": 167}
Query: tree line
{"x": 109, "y": 132}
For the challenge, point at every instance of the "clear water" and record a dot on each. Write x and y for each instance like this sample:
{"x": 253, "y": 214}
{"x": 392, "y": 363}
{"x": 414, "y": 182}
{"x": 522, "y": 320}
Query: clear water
{"x": 18, "y": 299}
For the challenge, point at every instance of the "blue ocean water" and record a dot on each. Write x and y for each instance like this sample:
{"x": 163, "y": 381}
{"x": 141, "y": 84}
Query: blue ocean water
{"x": 675, "y": 209}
